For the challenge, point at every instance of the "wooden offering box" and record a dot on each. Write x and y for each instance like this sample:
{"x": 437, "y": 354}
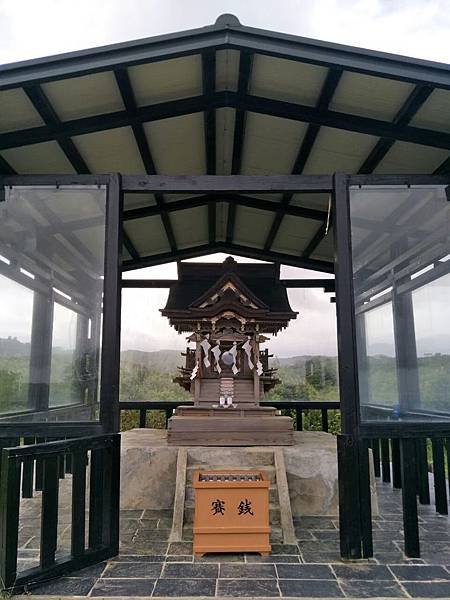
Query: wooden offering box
{"x": 231, "y": 511}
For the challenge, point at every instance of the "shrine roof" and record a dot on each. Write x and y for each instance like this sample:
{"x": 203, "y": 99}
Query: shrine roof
{"x": 195, "y": 279}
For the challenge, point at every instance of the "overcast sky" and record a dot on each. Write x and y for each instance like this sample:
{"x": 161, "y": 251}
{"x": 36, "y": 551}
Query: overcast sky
{"x": 32, "y": 28}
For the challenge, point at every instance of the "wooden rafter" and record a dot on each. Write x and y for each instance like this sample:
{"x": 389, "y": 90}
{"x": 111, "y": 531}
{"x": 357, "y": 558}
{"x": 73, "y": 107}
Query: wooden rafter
{"x": 404, "y": 116}
{"x": 127, "y": 93}
{"x": 329, "y": 87}
{"x": 209, "y": 87}
{"x": 48, "y": 114}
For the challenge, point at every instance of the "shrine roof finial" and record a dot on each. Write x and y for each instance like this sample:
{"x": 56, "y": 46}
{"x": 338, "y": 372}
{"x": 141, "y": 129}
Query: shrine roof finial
{"x": 227, "y": 20}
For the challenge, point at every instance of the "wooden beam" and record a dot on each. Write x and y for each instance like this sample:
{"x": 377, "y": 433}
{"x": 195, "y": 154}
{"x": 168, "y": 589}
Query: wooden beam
{"x": 227, "y": 184}
{"x": 129, "y": 101}
{"x": 282, "y": 258}
{"x": 245, "y": 65}
{"x": 406, "y": 113}
{"x": 148, "y": 283}
{"x": 129, "y": 246}
{"x": 249, "y": 252}
{"x": 51, "y": 119}
{"x": 5, "y": 167}
{"x": 209, "y": 87}
{"x": 316, "y": 240}
{"x": 277, "y": 108}
{"x": 443, "y": 168}
{"x": 167, "y": 257}
{"x": 203, "y": 200}
{"x": 326, "y": 94}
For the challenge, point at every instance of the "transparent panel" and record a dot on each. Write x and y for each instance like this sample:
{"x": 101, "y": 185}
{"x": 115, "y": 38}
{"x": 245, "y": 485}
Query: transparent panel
{"x": 51, "y": 282}
{"x": 401, "y": 269}
{"x": 15, "y": 338}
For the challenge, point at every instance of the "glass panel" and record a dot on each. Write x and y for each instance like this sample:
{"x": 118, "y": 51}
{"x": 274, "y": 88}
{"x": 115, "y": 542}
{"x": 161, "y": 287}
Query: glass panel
{"x": 51, "y": 280}
{"x": 432, "y": 318}
{"x": 401, "y": 266}
{"x": 15, "y": 338}
{"x": 65, "y": 380}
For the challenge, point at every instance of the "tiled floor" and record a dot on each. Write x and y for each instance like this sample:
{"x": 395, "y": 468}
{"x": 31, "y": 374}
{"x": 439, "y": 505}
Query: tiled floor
{"x": 150, "y": 566}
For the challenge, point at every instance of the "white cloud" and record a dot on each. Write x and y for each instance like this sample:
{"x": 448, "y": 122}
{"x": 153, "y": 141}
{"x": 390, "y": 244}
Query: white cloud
{"x": 29, "y": 29}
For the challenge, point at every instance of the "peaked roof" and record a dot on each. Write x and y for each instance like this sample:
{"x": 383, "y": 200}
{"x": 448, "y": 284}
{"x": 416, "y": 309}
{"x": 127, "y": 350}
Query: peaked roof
{"x": 197, "y": 280}
{"x": 225, "y": 99}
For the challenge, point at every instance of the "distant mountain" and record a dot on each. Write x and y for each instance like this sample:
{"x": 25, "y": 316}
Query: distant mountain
{"x": 163, "y": 360}
{"x": 13, "y": 347}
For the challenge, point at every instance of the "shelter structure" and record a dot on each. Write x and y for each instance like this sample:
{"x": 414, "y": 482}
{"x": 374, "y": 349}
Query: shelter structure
{"x": 224, "y": 138}
{"x": 228, "y": 308}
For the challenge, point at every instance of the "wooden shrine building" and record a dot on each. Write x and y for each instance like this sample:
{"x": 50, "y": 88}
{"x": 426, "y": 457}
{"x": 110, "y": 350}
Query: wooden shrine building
{"x": 228, "y": 308}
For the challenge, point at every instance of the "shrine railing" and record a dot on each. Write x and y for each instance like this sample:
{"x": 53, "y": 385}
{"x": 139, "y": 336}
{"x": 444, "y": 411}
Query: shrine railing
{"x": 317, "y": 415}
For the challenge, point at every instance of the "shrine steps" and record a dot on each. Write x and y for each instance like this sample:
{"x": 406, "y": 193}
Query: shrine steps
{"x": 190, "y": 461}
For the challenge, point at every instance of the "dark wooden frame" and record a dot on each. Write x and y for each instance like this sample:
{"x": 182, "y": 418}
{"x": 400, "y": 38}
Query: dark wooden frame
{"x": 109, "y": 391}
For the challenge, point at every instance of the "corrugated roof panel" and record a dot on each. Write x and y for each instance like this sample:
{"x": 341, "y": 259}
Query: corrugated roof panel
{"x": 271, "y": 144}
{"x": 404, "y": 157}
{"x": 369, "y": 96}
{"x": 435, "y": 112}
{"x": 17, "y": 111}
{"x": 147, "y": 235}
{"x": 190, "y": 227}
{"x": 36, "y": 159}
{"x": 114, "y": 150}
{"x": 84, "y": 96}
{"x": 294, "y": 234}
{"x": 251, "y": 226}
{"x": 325, "y": 250}
{"x": 137, "y": 200}
{"x": 316, "y": 201}
{"x": 225, "y": 119}
{"x": 286, "y": 80}
{"x": 167, "y": 80}
{"x": 177, "y": 145}
{"x": 338, "y": 150}
{"x": 227, "y": 70}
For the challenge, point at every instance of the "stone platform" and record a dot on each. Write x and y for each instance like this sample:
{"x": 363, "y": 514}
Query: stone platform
{"x": 149, "y": 469}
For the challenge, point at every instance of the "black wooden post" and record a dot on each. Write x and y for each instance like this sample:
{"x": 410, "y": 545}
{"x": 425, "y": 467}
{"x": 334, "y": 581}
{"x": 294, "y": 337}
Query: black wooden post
{"x": 354, "y": 485}
{"x": 49, "y": 514}
{"x": 423, "y": 488}
{"x": 9, "y": 518}
{"x": 27, "y": 471}
{"x": 396, "y": 468}
{"x": 40, "y": 351}
{"x": 298, "y": 419}
{"x": 376, "y": 456}
{"x": 385, "y": 461}
{"x": 78, "y": 503}
{"x": 110, "y": 368}
{"x": 440, "y": 489}
{"x": 409, "y": 499}
{"x": 96, "y": 498}
{"x": 324, "y": 419}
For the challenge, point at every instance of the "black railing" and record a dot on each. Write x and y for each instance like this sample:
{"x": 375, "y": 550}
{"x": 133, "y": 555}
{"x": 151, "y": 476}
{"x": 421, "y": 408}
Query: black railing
{"x": 38, "y": 468}
{"x": 295, "y": 408}
{"x": 407, "y": 463}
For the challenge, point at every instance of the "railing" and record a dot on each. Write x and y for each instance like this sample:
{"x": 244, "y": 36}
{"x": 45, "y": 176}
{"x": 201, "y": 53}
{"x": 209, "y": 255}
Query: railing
{"x": 296, "y": 408}
{"x": 38, "y": 468}
{"x": 407, "y": 463}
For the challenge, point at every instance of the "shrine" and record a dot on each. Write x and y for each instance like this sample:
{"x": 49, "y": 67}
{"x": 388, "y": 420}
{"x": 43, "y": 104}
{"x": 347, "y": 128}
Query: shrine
{"x": 228, "y": 308}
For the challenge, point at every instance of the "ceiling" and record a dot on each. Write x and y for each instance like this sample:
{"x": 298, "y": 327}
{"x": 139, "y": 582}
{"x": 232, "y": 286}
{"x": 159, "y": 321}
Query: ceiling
{"x": 225, "y": 99}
